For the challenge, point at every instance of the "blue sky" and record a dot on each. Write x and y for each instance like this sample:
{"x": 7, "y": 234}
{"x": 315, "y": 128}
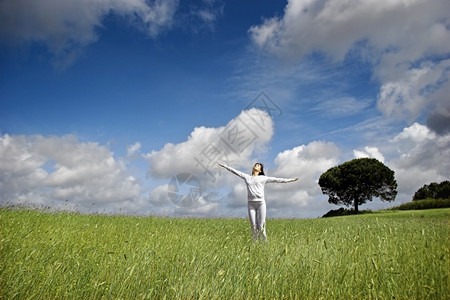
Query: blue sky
{"x": 106, "y": 101}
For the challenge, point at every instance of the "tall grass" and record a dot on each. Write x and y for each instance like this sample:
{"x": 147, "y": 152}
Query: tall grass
{"x": 401, "y": 255}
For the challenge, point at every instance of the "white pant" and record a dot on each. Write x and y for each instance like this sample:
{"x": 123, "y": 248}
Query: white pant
{"x": 257, "y": 216}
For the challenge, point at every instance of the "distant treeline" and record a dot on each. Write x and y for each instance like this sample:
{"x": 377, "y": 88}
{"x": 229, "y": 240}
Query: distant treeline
{"x": 433, "y": 190}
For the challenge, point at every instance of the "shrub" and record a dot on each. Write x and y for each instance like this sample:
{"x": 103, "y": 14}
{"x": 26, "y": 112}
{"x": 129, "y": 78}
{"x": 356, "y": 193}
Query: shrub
{"x": 343, "y": 212}
{"x": 424, "y": 204}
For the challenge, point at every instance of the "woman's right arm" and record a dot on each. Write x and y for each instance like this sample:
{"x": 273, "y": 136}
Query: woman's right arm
{"x": 234, "y": 171}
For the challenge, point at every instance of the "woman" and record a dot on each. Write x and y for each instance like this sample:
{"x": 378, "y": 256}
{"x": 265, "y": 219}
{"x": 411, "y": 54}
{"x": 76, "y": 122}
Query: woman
{"x": 256, "y": 202}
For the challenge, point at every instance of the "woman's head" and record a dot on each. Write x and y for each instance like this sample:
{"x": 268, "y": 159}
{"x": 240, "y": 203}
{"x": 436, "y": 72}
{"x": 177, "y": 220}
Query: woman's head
{"x": 258, "y": 167}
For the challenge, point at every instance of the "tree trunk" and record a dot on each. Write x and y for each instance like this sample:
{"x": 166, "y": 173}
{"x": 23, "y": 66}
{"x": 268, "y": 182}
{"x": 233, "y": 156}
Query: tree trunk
{"x": 356, "y": 206}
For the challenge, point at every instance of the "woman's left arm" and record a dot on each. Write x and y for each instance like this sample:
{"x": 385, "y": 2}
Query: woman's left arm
{"x": 281, "y": 180}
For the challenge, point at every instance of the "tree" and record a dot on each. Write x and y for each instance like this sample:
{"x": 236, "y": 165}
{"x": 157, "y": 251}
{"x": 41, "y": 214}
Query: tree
{"x": 433, "y": 190}
{"x": 357, "y": 181}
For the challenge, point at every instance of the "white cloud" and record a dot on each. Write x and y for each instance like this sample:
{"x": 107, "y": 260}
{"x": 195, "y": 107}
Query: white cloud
{"x": 133, "y": 150}
{"x": 411, "y": 137}
{"x": 50, "y": 170}
{"x": 159, "y": 196}
{"x": 334, "y": 26}
{"x": 417, "y": 155}
{"x": 310, "y": 160}
{"x": 206, "y": 147}
{"x": 369, "y": 152}
{"x": 411, "y": 92}
{"x": 55, "y": 171}
{"x": 297, "y": 199}
{"x": 420, "y": 156}
{"x": 237, "y": 143}
{"x": 301, "y": 198}
{"x": 406, "y": 41}
{"x": 423, "y": 157}
{"x": 62, "y": 172}
{"x": 65, "y": 27}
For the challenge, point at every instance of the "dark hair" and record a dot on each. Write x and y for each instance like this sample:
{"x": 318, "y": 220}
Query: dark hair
{"x": 262, "y": 169}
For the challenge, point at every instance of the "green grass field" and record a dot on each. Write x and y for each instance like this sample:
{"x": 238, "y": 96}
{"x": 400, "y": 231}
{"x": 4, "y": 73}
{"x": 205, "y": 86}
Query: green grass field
{"x": 384, "y": 255}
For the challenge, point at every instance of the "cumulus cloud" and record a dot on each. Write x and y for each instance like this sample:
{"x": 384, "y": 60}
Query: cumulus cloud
{"x": 65, "y": 27}
{"x": 333, "y": 27}
{"x": 423, "y": 157}
{"x": 369, "y": 152}
{"x": 307, "y": 162}
{"x": 299, "y": 199}
{"x": 413, "y": 91}
{"x": 417, "y": 155}
{"x": 227, "y": 193}
{"x": 64, "y": 172}
{"x": 61, "y": 171}
{"x": 84, "y": 176}
{"x": 21, "y": 171}
{"x": 237, "y": 143}
{"x": 406, "y": 41}
{"x": 206, "y": 147}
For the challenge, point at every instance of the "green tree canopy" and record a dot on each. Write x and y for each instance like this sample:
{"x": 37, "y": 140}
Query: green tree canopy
{"x": 433, "y": 190}
{"x": 357, "y": 181}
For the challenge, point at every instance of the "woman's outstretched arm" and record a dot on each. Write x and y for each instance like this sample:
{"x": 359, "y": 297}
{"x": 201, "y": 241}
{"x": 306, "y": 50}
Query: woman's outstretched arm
{"x": 281, "y": 180}
{"x": 234, "y": 171}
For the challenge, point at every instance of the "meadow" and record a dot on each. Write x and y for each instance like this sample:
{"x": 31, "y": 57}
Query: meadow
{"x": 384, "y": 255}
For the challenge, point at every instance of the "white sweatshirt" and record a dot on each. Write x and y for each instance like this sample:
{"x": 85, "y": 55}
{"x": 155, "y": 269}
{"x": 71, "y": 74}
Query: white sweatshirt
{"x": 255, "y": 184}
